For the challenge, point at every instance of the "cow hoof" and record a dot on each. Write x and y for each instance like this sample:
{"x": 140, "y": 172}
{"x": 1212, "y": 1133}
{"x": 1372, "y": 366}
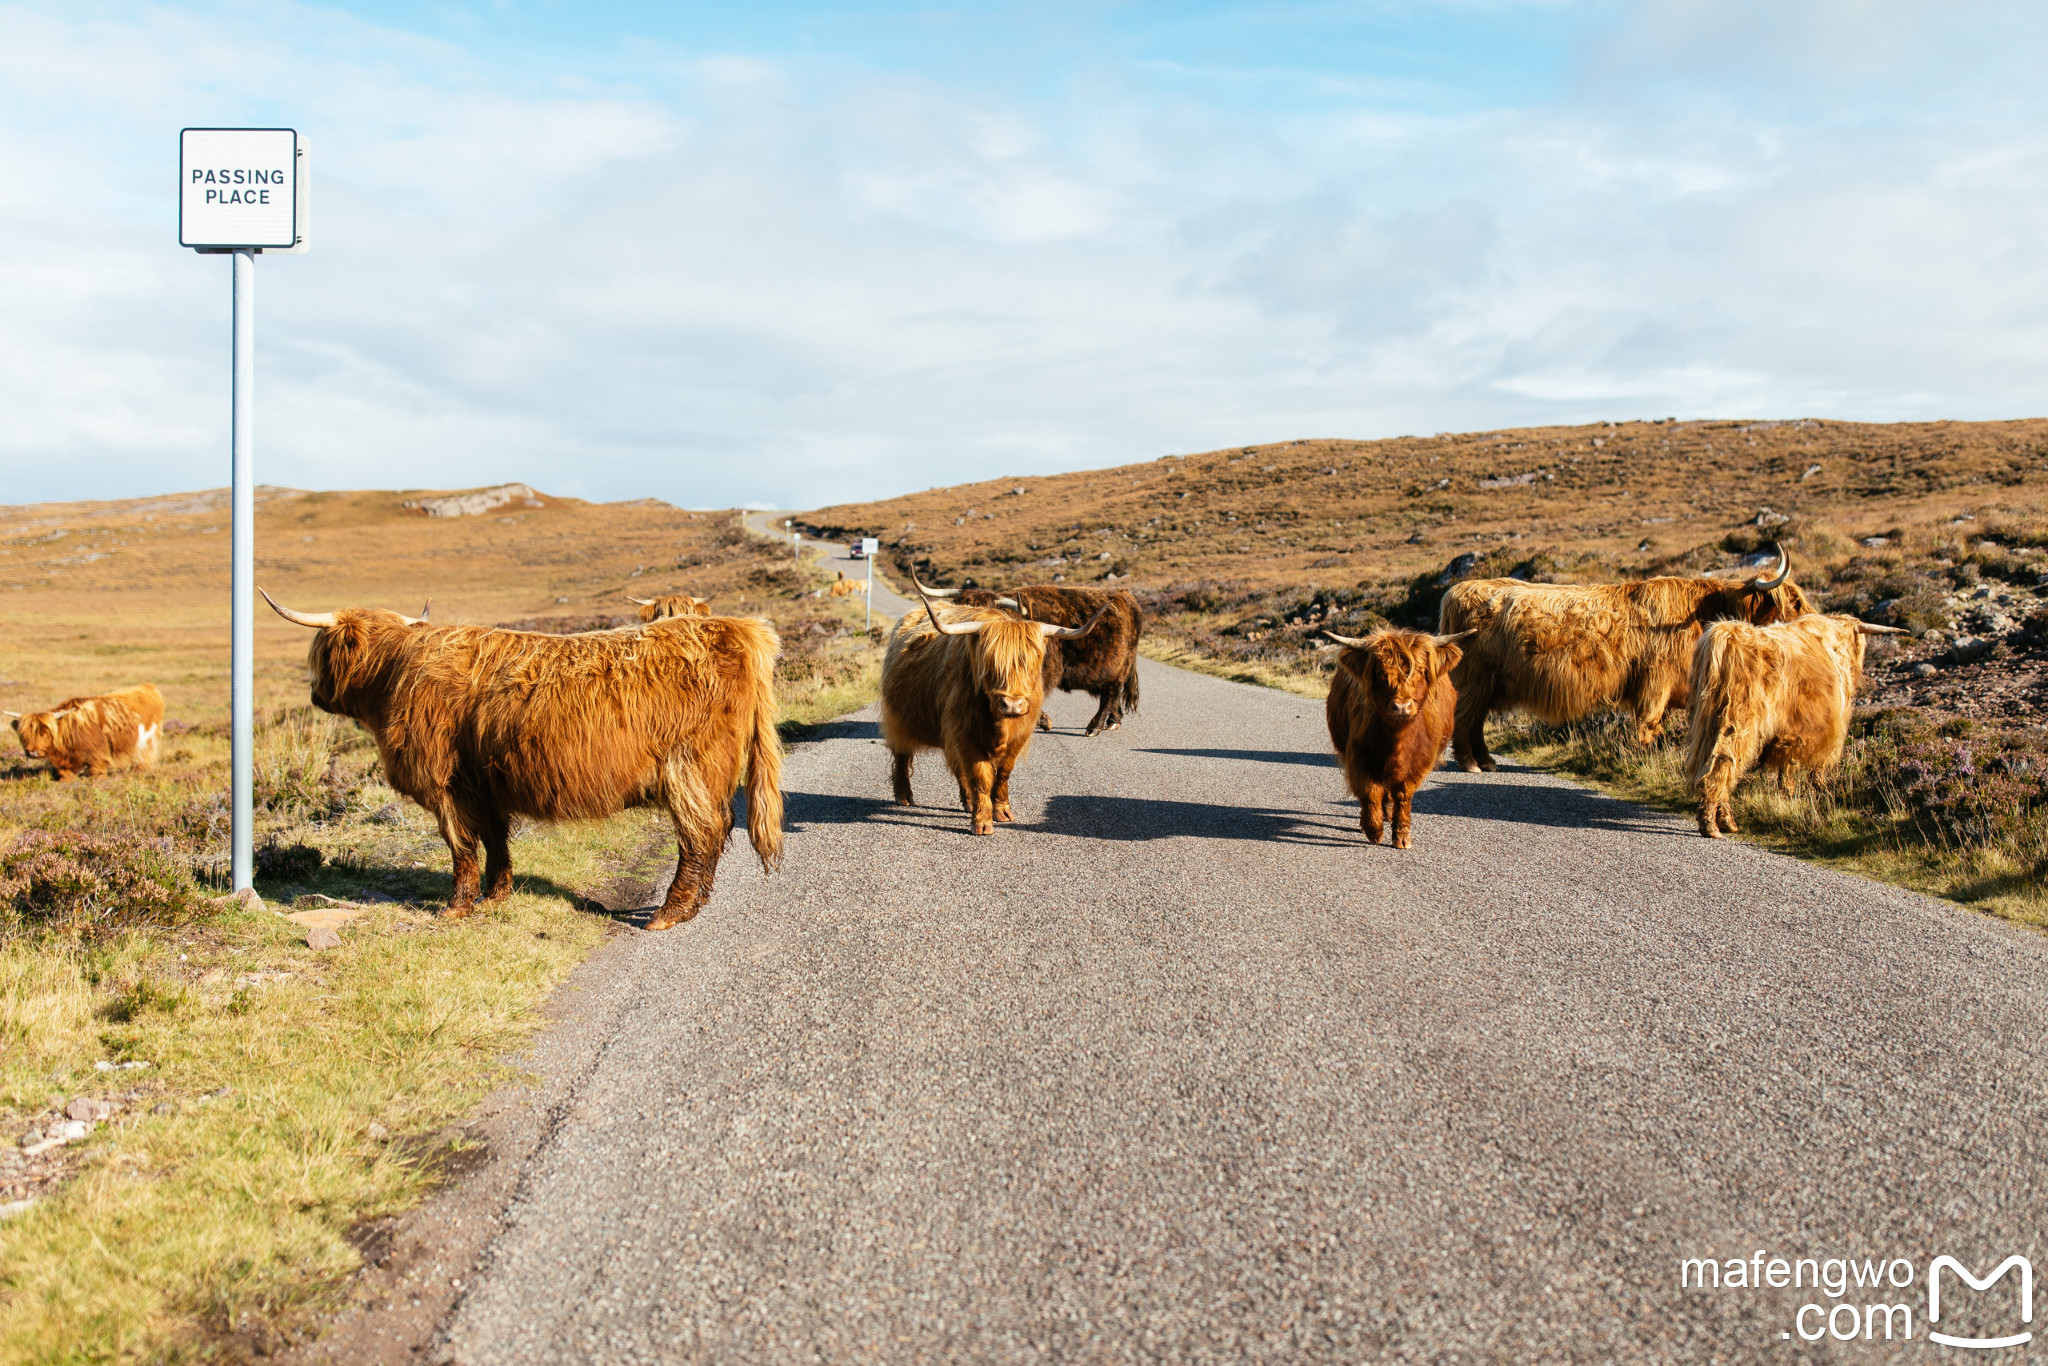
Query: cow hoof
{"x": 1401, "y": 842}
{"x": 1004, "y": 815}
{"x": 984, "y": 827}
{"x": 668, "y": 920}
{"x": 1489, "y": 767}
{"x": 457, "y": 912}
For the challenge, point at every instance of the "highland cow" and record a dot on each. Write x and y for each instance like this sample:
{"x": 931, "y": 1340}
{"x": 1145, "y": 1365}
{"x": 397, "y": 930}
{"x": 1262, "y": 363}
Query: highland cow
{"x": 1560, "y": 651}
{"x": 1103, "y": 664}
{"x": 479, "y": 725}
{"x": 969, "y": 685}
{"x": 1389, "y": 711}
{"x": 670, "y": 605}
{"x": 94, "y": 735}
{"x": 1778, "y": 695}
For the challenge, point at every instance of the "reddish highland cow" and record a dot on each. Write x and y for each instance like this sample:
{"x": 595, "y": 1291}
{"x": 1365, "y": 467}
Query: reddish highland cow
{"x": 479, "y": 725}
{"x": 1389, "y": 711}
{"x": 94, "y": 735}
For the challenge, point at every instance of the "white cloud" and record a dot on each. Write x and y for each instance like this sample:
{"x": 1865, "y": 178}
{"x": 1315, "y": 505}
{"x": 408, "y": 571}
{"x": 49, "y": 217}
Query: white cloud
{"x": 746, "y": 280}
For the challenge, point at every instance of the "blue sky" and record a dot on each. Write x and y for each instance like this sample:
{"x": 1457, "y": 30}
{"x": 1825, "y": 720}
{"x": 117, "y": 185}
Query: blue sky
{"x": 796, "y": 254}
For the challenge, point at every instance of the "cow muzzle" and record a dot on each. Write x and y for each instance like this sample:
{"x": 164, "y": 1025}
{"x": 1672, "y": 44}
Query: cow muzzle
{"x": 1007, "y": 705}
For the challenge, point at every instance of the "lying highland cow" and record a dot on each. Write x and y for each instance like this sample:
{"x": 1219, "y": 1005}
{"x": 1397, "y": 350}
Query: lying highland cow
{"x": 1779, "y": 695}
{"x": 479, "y": 725}
{"x": 1103, "y": 664}
{"x": 94, "y": 734}
{"x": 969, "y": 683}
{"x": 670, "y": 605}
{"x": 1560, "y": 651}
{"x": 1389, "y": 713}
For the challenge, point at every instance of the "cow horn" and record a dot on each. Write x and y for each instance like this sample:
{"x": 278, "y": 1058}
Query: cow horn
{"x": 934, "y": 592}
{"x": 938, "y": 624}
{"x": 1757, "y": 585}
{"x": 15, "y": 714}
{"x": 639, "y": 602}
{"x": 1353, "y": 641}
{"x": 1453, "y": 639}
{"x": 316, "y": 620}
{"x": 1070, "y": 632}
{"x": 1864, "y": 628}
{"x": 415, "y": 621}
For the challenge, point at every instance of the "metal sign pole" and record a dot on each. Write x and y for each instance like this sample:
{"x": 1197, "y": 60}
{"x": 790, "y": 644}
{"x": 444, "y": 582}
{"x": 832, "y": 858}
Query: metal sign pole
{"x": 871, "y": 593}
{"x": 242, "y": 650}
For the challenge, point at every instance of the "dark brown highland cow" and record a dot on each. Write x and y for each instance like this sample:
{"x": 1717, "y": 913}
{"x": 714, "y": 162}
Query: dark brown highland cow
{"x": 479, "y": 725}
{"x": 1103, "y": 663}
{"x": 1389, "y": 711}
{"x": 968, "y": 681}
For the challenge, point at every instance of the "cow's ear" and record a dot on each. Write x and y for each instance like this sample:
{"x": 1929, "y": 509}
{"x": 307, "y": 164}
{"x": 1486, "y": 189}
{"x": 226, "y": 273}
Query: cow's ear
{"x": 1447, "y": 657}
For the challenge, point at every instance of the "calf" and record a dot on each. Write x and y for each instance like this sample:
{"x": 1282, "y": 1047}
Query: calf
{"x": 94, "y": 734}
{"x": 1390, "y": 710}
{"x": 1779, "y": 695}
{"x": 670, "y": 605}
{"x": 970, "y": 685}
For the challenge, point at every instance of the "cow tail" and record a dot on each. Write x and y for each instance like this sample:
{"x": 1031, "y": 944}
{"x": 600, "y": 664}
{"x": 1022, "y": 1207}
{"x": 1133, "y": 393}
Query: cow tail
{"x": 1719, "y": 732}
{"x": 1131, "y": 685}
{"x": 764, "y": 776}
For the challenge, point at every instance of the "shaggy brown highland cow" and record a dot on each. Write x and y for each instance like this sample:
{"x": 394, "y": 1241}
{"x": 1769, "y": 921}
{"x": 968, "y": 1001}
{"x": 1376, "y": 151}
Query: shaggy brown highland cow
{"x": 1779, "y": 695}
{"x": 967, "y": 681}
{"x": 1560, "y": 651}
{"x": 479, "y": 725}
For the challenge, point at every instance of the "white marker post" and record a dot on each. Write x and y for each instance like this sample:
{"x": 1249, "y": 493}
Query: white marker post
{"x": 243, "y": 191}
{"x": 870, "y": 547}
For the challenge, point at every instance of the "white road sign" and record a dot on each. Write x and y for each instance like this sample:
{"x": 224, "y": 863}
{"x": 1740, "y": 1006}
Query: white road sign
{"x": 241, "y": 187}
{"x": 870, "y": 546}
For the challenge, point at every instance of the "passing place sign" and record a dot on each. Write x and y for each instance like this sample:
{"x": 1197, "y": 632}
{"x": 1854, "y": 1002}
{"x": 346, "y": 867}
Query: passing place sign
{"x": 239, "y": 187}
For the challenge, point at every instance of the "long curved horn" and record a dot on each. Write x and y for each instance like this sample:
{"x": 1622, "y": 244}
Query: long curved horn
{"x": 15, "y": 714}
{"x": 938, "y": 623}
{"x": 935, "y": 592}
{"x": 421, "y": 618}
{"x": 1864, "y": 628}
{"x": 1070, "y": 632}
{"x": 316, "y": 620}
{"x": 1757, "y": 585}
{"x": 1448, "y": 640}
{"x": 1353, "y": 641}
{"x": 639, "y": 602}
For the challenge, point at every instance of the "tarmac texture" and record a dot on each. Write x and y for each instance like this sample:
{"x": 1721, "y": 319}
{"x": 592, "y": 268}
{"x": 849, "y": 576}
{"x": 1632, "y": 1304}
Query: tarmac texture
{"x": 1177, "y": 1068}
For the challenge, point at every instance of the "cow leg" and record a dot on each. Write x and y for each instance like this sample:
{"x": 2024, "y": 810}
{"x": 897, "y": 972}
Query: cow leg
{"x": 497, "y": 837}
{"x": 1403, "y": 797}
{"x": 462, "y": 848}
{"x": 1001, "y": 794}
{"x": 1372, "y": 811}
{"x": 900, "y": 776}
{"x": 1717, "y": 787}
{"x": 1649, "y": 705}
{"x": 976, "y": 788}
{"x": 1044, "y": 721}
{"x": 1468, "y": 728}
{"x": 696, "y": 870}
{"x": 1106, "y": 717}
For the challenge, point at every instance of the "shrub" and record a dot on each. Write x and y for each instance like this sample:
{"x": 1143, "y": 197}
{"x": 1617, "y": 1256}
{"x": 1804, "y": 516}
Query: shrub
{"x": 287, "y": 862}
{"x": 94, "y": 885}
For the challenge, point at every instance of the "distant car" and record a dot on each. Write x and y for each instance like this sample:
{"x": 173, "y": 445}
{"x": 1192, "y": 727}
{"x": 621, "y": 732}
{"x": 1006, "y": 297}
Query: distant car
{"x": 867, "y": 547}
{"x": 857, "y": 551}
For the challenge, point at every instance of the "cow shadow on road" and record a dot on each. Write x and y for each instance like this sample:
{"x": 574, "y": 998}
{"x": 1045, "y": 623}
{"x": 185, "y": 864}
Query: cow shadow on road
{"x": 1260, "y": 756}
{"x": 1564, "y": 808}
{"x": 1152, "y": 818}
{"x": 803, "y": 809}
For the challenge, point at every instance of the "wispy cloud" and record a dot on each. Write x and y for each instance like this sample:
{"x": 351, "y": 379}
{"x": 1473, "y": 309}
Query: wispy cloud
{"x": 753, "y": 274}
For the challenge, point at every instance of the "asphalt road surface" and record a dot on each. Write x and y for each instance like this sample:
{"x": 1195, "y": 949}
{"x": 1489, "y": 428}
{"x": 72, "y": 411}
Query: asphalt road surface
{"x": 1177, "y": 1068}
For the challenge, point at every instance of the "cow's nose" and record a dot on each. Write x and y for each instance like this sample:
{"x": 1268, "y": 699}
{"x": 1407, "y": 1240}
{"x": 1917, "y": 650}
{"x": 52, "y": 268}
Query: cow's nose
{"x": 1013, "y": 706}
{"x": 1404, "y": 709}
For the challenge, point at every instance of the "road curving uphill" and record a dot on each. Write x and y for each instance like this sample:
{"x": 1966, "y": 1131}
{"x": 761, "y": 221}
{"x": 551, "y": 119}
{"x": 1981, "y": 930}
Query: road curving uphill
{"x": 1177, "y": 1068}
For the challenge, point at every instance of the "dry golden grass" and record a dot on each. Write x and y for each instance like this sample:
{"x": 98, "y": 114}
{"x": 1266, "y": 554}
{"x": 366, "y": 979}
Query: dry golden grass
{"x": 1334, "y": 511}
